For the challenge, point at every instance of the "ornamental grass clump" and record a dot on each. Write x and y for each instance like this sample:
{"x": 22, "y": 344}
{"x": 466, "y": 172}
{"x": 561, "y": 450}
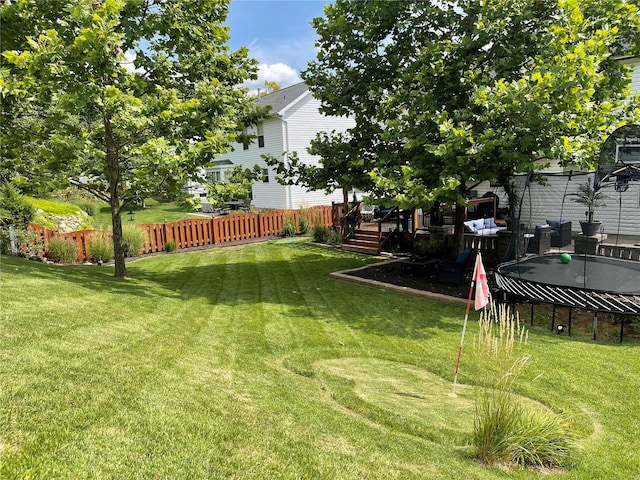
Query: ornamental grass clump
{"x": 288, "y": 225}
{"x": 508, "y": 430}
{"x": 101, "y": 247}
{"x": 62, "y": 250}
{"x": 134, "y": 239}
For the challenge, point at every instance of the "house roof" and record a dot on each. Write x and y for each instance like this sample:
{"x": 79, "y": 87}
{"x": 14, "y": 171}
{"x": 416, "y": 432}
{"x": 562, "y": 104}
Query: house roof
{"x": 283, "y": 98}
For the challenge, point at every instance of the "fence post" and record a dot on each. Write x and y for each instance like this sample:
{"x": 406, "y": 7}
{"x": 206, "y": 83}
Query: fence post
{"x": 12, "y": 240}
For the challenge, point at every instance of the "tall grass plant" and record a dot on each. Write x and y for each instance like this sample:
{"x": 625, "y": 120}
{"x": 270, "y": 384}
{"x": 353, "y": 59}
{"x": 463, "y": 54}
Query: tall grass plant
{"x": 62, "y": 250}
{"x": 506, "y": 428}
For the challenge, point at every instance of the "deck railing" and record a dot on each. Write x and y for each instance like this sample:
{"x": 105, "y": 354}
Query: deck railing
{"x": 198, "y": 232}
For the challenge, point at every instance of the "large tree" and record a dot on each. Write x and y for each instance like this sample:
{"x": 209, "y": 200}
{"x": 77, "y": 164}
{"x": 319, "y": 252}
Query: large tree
{"x": 446, "y": 94}
{"x": 125, "y": 98}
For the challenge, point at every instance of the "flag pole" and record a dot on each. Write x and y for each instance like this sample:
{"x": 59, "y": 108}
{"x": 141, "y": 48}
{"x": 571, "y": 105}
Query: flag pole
{"x": 464, "y": 328}
{"x": 483, "y": 294}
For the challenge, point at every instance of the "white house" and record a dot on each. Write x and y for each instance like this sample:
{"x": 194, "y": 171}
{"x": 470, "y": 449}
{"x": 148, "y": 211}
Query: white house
{"x": 620, "y": 215}
{"x": 294, "y": 121}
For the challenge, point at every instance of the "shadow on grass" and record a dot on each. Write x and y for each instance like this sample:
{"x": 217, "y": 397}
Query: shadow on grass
{"x": 295, "y": 275}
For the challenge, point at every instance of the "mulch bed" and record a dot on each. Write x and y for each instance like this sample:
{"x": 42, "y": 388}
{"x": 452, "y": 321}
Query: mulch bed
{"x": 393, "y": 273}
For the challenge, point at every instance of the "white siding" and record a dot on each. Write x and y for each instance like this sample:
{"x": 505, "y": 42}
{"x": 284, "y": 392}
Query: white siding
{"x": 634, "y": 67}
{"x": 303, "y": 122}
{"x": 620, "y": 215}
{"x": 293, "y": 132}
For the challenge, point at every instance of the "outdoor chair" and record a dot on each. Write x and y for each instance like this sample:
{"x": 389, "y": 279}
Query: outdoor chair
{"x": 540, "y": 242}
{"x": 560, "y": 232}
{"x": 454, "y": 269}
{"x": 367, "y": 212}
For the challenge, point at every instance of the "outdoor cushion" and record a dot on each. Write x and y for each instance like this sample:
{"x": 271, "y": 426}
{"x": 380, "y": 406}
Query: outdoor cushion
{"x": 463, "y": 256}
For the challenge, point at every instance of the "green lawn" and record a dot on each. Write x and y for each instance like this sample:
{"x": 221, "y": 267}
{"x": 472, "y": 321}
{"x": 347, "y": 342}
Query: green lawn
{"x": 155, "y": 211}
{"x": 251, "y": 363}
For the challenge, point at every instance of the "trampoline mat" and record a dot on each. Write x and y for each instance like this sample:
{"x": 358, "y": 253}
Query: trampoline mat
{"x": 600, "y": 274}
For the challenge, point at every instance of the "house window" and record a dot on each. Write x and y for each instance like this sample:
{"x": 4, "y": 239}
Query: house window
{"x": 265, "y": 175}
{"x": 214, "y": 176}
{"x": 260, "y": 135}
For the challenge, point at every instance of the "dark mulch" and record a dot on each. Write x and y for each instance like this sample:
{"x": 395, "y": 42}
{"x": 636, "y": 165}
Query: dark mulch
{"x": 393, "y": 273}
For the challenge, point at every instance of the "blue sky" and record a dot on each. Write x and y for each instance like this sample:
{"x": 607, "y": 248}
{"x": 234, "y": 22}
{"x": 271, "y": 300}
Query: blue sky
{"x": 278, "y": 34}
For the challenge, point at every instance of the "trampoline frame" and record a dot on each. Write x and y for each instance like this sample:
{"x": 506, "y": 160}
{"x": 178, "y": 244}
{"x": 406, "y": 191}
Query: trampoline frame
{"x": 565, "y": 296}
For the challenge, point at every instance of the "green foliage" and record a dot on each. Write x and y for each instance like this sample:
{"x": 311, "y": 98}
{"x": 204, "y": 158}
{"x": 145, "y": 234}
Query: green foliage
{"x": 22, "y": 238}
{"x": 445, "y": 96}
{"x": 134, "y": 239}
{"x": 591, "y": 198}
{"x": 77, "y": 110}
{"x": 170, "y": 246}
{"x": 288, "y": 225}
{"x": 236, "y": 186}
{"x": 304, "y": 225}
{"x": 320, "y": 233}
{"x": 333, "y": 238}
{"x": 62, "y": 250}
{"x": 14, "y": 208}
{"x": 101, "y": 247}
{"x": 306, "y": 218}
{"x": 90, "y": 208}
{"x": 506, "y": 429}
{"x": 53, "y": 214}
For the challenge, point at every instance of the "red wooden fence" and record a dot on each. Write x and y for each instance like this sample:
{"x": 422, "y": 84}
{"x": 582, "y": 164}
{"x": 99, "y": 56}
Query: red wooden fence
{"x": 199, "y": 231}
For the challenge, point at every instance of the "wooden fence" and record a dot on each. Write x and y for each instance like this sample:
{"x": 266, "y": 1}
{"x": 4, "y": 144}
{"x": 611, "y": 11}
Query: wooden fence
{"x": 199, "y": 232}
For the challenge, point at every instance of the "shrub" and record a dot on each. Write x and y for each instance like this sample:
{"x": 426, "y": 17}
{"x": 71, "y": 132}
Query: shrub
{"x": 320, "y": 233}
{"x": 101, "y": 247}
{"x": 134, "y": 239}
{"x": 303, "y": 226}
{"x": 288, "y": 225}
{"x": 23, "y": 240}
{"x": 506, "y": 429}
{"x": 62, "y": 250}
{"x": 170, "y": 246}
{"x": 334, "y": 237}
{"x": 305, "y": 220}
{"x": 14, "y": 208}
{"x": 91, "y": 208}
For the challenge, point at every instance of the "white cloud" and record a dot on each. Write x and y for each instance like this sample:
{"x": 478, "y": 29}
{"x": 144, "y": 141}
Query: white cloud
{"x": 280, "y": 73}
{"x": 129, "y": 58}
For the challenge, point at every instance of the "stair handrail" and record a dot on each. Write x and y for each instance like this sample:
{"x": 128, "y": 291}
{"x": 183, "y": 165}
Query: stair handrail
{"x": 350, "y": 221}
{"x": 384, "y": 240}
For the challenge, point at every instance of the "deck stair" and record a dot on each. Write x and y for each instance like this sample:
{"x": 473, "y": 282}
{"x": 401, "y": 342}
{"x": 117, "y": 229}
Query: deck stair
{"x": 363, "y": 241}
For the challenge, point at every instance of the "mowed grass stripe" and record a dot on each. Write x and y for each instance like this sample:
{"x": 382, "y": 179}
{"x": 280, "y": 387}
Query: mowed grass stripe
{"x": 213, "y": 364}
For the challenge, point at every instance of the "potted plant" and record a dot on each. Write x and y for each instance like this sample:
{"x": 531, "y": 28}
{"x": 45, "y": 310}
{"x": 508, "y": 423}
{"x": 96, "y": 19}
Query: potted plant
{"x": 591, "y": 198}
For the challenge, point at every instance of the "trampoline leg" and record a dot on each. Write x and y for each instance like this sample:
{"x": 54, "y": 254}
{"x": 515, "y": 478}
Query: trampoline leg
{"x": 595, "y": 324}
{"x": 553, "y": 317}
{"x": 621, "y": 327}
{"x": 532, "y": 314}
{"x": 570, "y": 312}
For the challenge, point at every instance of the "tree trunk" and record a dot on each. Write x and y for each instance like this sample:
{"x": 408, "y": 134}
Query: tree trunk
{"x": 113, "y": 168}
{"x": 458, "y": 231}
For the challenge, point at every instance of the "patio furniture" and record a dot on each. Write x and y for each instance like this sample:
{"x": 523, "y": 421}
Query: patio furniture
{"x": 560, "y": 232}
{"x": 540, "y": 242}
{"x": 453, "y": 269}
{"x": 423, "y": 266}
{"x": 367, "y": 212}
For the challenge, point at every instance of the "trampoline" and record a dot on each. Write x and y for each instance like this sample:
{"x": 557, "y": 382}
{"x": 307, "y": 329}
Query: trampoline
{"x": 595, "y": 283}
